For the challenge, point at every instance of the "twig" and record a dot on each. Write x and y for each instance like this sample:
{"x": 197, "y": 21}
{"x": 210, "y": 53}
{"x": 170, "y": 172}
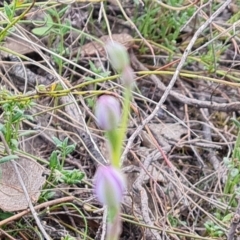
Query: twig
{"x": 71, "y": 219}
{"x": 43, "y": 205}
{"x": 6, "y": 234}
{"x": 155, "y": 142}
{"x": 195, "y": 151}
{"x": 194, "y": 16}
{"x": 174, "y": 78}
{"x": 222, "y": 107}
{"x": 85, "y": 134}
{"x": 143, "y": 195}
{"x": 207, "y": 133}
{"x": 34, "y": 213}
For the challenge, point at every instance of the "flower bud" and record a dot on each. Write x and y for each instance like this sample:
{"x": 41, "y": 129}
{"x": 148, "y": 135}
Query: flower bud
{"x": 117, "y": 55}
{"x": 108, "y": 112}
{"x": 109, "y": 186}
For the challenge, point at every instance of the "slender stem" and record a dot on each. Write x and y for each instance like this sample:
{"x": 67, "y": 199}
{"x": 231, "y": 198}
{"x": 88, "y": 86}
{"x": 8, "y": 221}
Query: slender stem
{"x": 122, "y": 131}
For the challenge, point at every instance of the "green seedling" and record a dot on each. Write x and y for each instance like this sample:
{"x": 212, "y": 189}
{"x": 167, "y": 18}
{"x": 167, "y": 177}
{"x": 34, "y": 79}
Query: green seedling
{"x": 211, "y": 58}
{"x": 13, "y": 115}
{"x": 68, "y": 176}
{"x": 213, "y": 230}
{"x": 163, "y": 25}
{"x": 56, "y": 163}
{"x": 44, "y": 30}
{"x": 175, "y": 222}
{"x": 49, "y": 24}
{"x": 46, "y": 196}
{"x": 64, "y": 149}
{"x": 56, "y": 30}
{"x": 9, "y": 10}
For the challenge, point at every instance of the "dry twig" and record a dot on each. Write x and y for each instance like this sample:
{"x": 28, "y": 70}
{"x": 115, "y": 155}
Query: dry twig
{"x": 174, "y": 78}
{"x": 34, "y": 213}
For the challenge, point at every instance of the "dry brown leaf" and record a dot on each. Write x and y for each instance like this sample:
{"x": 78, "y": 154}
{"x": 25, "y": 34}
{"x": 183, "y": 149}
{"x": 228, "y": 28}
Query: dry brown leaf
{"x": 12, "y": 197}
{"x": 163, "y": 133}
{"x": 169, "y": 131}
{"x": 95, "y": 47}
{"x": 16, "y": 45}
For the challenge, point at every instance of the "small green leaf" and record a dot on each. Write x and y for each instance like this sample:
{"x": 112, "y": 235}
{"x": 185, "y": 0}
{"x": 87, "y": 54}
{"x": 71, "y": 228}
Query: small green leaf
{"x": 56, "y": 59}
{"x": 52, "y": 12}
{"x": 8, "y": 158}
{"x": 17, "y": 116}
{"x": 53, "y": 162}
{"x": 29, "y": 117}
{"x": 70, "y": 149}
{"x": 47, "y": 195}
{"x": 44, "y": 30}
{"x": 14, "y": 143}
{"x": 90, "y": 102}
{"x": 8, "y": 10}
{"x": 41, "y": 31}
{"x": 57, "y": 142}
{"x": 227, "y": 218}
{"x": 2, "y": 128}
{"x": 72, "y": 176}
{"x": 5, "y": 215}
{"x": 88, "y": 78}
{"x": 236, "y": 122}
{"x": 105, "y": 74}
{"x": 234, "y": 172}
{"x": 66, "y": 27}
{"x": 6, "y": 106}
{"x": 65, "y": 143}
{"x": 62, "y": 11}
{"x": 93, "y": 67}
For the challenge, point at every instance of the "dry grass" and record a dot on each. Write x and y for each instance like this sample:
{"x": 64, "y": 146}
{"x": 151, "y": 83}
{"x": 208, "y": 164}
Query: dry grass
{"x": 180, "y": 130}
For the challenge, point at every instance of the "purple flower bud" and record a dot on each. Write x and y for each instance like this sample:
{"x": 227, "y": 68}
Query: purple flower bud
{"x": 108, "y": 112}
{"x": 109, "y": 186}
{"x": 117, "y": 55}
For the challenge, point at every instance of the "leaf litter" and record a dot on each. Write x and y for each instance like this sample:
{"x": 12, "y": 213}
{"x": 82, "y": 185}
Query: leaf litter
{"x": 177, "y": 202}
{"x": 12, "y": 197}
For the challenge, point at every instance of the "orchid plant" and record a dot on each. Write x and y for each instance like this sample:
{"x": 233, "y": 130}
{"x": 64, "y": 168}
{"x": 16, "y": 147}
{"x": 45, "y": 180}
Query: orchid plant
{"x": 109, "y": 182}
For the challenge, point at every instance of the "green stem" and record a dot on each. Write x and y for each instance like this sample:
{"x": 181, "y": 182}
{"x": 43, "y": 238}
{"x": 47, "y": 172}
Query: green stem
{"x": 63, "y": 159}
{"x": 114, "y": 225}
{"x": 4, "y": 31}
{"x": 116, "y": 152}
{"x": 237, "y": 145}
{"x": 9, "y": 128}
